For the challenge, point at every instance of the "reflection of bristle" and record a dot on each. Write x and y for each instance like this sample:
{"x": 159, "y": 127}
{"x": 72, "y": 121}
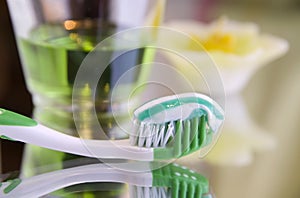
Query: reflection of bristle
{"x": 151, "y": 192}
{"x": 183, "y": 135}
{"x": 174, "y": 181}
{"x": 182, "y": 190}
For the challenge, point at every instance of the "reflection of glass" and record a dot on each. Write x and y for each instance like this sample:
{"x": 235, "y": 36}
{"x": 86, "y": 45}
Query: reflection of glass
{"x": 170, "y": 181}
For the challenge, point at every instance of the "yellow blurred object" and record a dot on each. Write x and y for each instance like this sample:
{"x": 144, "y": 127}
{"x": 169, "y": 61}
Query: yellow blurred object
{"x": 217, "y": 41}
{"x": 220, "y": 41}
{"x": 227, "y": 37}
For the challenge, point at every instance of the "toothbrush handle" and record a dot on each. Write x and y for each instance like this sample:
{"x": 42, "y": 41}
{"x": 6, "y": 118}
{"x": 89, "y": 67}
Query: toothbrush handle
{"x": 43, "y": 184}
{"x": 48, "y": 138}
{"x": 44, "y": 137}
{"x": 17, "y": 127}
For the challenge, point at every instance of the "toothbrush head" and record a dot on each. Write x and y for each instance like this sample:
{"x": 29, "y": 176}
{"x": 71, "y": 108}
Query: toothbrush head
{"x": 177, "y": 125}
{"x": 173, "y": 181}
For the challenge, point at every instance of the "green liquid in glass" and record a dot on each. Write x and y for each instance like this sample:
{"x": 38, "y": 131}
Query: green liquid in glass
{"x": 51, "y": 58}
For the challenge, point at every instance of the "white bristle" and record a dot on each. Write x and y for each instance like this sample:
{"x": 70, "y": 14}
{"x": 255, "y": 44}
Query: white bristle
{"x": 149, "y": 192}
{"x": 156, "y": 134}
{"x": 158, "y": 141}
{"x": 169, "y": 133}
{"x": 153, "y": 135}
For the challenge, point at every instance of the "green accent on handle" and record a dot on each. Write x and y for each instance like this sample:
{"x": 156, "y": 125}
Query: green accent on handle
{"x": 13, "y": 184}
{"x": 7, "y": 138}
{"x": 10, "y": 118}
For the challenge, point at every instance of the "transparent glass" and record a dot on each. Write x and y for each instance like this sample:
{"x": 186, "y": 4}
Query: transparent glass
{"x": 54, "y": 37}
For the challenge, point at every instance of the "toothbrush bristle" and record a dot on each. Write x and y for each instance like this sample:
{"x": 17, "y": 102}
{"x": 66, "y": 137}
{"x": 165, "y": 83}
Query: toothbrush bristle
{"x": 182, "y": 191}
{"x": 140, "y": 192}
{"x": 153, "y": 135}
{"x": 184, "y": 136}
{"x": 173, "y": 181}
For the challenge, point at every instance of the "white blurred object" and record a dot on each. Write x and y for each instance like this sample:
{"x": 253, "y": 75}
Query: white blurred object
{"x": 238, "y": 49}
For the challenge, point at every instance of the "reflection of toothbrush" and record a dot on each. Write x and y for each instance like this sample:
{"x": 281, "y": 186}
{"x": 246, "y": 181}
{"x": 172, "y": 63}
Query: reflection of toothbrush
{"x": 168, "y": 127}
{"x": 169, "y": 181}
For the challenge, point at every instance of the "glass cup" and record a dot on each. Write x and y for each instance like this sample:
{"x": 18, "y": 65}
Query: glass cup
{"x": 53, "y": 39}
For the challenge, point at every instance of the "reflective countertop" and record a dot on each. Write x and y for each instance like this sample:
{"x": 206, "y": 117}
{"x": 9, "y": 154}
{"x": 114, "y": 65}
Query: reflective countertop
{"x": 262, "y": 158}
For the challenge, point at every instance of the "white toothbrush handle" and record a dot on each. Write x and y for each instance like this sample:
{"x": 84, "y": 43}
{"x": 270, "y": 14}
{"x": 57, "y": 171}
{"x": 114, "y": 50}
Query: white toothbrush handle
{"x": 18, "y": 127}
{"x": 48, "y": 138}
{"x": 45, "y": 137}
{"x": 49, "y": 182}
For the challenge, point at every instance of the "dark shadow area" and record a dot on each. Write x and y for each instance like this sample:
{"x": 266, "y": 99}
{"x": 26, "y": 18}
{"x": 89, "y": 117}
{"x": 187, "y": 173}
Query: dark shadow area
{"x": 13, "y": 93}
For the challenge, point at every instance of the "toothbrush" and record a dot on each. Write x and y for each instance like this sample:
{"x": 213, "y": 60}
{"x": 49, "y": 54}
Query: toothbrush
{"x": 169, "y": 181}
{"x": 166, "y": 128}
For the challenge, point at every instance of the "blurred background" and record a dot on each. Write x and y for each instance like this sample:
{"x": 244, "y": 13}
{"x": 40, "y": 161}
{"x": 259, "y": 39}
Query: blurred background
{"x": 271, "y": 97}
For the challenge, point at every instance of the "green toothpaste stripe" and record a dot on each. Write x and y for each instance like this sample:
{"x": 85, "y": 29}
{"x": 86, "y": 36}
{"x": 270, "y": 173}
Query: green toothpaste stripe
{"x": 177, "y": 102}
